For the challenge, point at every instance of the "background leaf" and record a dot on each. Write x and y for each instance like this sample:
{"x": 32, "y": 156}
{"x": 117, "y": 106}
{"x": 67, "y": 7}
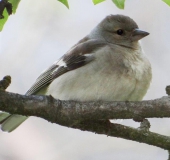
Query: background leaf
{"x": 119, "y": 3}
{"x": 2, "y": 21}
{"x": 167, "y": 2}
{"x": 97, "y": 1}
{"x": 14, "y": 5}
{"x": 65, "y": 2}
{"x": 5, "y": 14}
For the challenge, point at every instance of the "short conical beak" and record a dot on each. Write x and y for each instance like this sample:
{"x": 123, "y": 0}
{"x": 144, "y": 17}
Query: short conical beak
{"x": 138, "y": 34}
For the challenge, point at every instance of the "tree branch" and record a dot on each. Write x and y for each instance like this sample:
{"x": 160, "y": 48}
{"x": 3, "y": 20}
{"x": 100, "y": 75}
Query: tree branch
{"x": 92, "y": 116}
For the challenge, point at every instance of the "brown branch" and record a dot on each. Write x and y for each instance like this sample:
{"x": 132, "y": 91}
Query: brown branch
{"x": 121, "y": 131}
{"x": 92, "y": 116}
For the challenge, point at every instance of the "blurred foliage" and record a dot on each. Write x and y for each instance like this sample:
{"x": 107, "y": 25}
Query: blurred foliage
{"x": 5, "y": 10}
{"x": 119, "y": 3}
{"x": 167, "y": 2}
{"x": 97, "y": 1}
{"x": 2, "y": 21}
{"x": 65, "y": 2}
{"x": 14, "y": 5}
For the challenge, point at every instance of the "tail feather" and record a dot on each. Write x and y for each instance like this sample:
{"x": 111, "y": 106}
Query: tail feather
{"x": 3, "y": 116}
{"x": 11, "y": 122}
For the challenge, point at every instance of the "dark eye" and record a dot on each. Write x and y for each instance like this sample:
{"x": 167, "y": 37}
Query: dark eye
{"x": 119, "y": 31}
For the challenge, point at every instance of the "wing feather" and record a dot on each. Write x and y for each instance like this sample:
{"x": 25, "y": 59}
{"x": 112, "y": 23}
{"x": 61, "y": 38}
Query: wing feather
{"x": 78, "y": 56}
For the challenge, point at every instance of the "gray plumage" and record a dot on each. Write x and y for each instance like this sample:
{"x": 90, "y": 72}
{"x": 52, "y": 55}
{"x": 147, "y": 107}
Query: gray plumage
{"x": 108, "y": 65}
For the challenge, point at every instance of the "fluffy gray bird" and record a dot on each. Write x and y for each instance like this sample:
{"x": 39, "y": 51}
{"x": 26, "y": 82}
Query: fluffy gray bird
{"x": 108, "y": 65}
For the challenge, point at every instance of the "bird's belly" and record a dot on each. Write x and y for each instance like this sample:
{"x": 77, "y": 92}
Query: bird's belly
{"x": 110, "y": 77}
{"x": 86, "y": 85}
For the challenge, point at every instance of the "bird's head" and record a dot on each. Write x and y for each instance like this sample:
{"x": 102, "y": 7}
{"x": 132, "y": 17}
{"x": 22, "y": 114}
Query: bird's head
{"x": 120, "y": 30}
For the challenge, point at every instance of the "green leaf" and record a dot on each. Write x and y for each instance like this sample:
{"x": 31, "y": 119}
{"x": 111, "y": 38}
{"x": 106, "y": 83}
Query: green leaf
{"x": 119, "y": 3}
{"x": 2, "y": 21}
{"x": 167, "y": 2}
{"x": 97, "y": 1}
{"x": 65, "y": 2}
{"x": 14, "y": 5}
{"x": 5, "y": 14}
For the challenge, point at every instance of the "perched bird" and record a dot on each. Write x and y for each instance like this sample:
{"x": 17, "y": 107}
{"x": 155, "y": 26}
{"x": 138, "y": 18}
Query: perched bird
{"x": 107, "y": 65}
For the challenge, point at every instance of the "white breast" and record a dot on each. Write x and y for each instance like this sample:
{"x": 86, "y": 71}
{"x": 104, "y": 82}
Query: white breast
{"x": 110, "y": 77}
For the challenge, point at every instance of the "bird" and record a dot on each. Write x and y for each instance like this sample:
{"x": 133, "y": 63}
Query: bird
{"x": 106, "y": 65}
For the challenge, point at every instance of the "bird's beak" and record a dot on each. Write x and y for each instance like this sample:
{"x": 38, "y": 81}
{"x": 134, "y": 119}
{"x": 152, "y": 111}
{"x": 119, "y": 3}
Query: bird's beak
{"x": 138, "y": 34}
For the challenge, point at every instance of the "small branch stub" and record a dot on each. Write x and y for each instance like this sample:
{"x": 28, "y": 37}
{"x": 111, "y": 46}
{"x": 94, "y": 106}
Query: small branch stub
{"x": 168, "y": 90}
{"x": 144, "y": 125}
{"x": 5, "y": 82}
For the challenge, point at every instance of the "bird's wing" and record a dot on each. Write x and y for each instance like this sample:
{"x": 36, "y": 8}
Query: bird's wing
{"x": 77, "y": 56}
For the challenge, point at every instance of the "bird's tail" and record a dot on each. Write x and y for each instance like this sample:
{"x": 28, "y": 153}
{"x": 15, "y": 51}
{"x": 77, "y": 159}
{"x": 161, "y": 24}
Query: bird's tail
{"x": 10, "y": 122}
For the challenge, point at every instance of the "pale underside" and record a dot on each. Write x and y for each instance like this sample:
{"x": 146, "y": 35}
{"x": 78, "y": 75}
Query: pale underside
{"x": 94, "y": 81}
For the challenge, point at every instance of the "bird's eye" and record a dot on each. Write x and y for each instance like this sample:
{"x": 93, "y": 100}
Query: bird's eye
{"x": 119, "y": 31}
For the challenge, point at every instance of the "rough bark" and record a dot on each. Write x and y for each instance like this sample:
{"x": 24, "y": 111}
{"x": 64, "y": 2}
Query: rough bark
{"x": 93, "y": 116}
